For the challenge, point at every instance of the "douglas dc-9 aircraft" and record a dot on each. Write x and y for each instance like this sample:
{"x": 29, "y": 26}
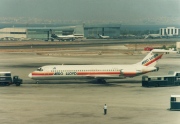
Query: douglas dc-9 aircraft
{"x": 99, "y": 72}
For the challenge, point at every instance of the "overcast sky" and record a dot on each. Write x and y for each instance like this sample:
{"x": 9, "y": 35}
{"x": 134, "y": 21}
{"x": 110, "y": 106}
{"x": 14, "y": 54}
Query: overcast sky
{"x": 87, "y": 10}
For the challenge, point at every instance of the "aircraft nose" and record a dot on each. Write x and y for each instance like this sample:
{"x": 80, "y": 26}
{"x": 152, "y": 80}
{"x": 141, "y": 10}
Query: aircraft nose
{"x": 30, "y": 75}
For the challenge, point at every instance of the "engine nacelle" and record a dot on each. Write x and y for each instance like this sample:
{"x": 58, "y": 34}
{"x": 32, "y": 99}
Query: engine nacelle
{"x": 130, "y": 73}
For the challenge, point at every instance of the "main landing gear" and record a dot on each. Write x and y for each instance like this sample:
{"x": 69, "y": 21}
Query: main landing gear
{"x": 101, "y": 81}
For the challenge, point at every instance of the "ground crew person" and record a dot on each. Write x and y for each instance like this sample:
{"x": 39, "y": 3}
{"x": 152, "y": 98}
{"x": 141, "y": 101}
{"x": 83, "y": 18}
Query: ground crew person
{"x": 105, "y": 109}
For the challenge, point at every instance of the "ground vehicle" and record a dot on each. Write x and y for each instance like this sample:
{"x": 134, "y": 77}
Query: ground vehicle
{"x": 6, "y": 79}
{"x": 148, "y": 48}
{"x": 175, "y": 103}
{"x": 172, "y": 79}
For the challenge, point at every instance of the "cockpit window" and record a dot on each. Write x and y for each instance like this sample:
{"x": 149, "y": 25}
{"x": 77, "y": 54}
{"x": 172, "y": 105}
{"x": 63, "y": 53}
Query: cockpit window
{"x": 39, "y": 69}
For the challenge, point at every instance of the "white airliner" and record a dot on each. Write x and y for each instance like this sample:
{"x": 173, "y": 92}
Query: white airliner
{"x": 103, "y": 37}
{"x": 99, "y": 72}
{"x": 66, "y": 37}
{"x": 153, "y": 36}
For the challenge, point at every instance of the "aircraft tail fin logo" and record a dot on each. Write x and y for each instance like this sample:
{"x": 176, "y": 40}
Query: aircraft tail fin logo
{"x": 152, "y": 58}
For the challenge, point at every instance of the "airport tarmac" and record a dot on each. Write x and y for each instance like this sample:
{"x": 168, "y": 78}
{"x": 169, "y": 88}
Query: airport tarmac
{"x": 81, "y": 102}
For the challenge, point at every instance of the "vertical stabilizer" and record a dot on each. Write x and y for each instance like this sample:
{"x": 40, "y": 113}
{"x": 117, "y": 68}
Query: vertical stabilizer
{"x": 152, "y": 58}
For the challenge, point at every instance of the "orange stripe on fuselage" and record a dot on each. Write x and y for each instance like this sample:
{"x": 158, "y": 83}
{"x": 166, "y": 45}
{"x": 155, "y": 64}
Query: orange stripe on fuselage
{"x": 107, "y": 73}
{"x": 97, "y": 73}
{"x": 129, "y": 73}
{"x": 42, "y": 73}
{"x": 87, "y": 73}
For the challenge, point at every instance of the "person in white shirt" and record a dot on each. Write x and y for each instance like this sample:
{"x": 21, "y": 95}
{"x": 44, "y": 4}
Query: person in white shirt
{"x": 105, "y": 109}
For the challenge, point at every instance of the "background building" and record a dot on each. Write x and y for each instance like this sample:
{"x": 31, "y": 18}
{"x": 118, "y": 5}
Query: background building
{"x": 111, "y": 30}
{"x": 170, "y": 31}
{"x": 13, "y": 33}
{"x": 42, "y": 33}
{"x": 38, "y": 33}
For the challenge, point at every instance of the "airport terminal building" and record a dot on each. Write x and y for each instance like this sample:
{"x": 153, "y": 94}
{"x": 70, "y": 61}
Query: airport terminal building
{"x": 87, "y": 31}
{"x": 38, "y": 33}
{"x": 111, "y": 30}
{"x": 42, "y": 33}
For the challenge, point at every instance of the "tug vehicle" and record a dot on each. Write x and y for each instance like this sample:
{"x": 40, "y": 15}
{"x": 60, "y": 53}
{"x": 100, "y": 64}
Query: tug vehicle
{"x": 6, "y": 79}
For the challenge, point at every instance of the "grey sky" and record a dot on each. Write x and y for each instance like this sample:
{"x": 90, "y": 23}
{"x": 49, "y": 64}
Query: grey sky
{"x": 84, "y": 10}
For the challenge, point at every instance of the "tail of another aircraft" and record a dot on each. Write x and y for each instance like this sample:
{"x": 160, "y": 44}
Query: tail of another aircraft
{"x": 100, "y": 35}
{"x": 152, "y": 58}
{"x": 52, "y": 34}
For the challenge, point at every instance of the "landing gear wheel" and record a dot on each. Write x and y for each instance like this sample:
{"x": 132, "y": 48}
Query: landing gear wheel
{"x": 37, "y": 82}
{"x": 18, "y": 84}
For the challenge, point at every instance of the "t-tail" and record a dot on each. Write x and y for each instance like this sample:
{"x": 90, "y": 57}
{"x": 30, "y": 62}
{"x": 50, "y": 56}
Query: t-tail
{"x": 151, "y": 59}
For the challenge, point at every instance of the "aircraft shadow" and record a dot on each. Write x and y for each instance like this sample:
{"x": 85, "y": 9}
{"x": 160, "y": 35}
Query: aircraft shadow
{"x": 108, "y": 83}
